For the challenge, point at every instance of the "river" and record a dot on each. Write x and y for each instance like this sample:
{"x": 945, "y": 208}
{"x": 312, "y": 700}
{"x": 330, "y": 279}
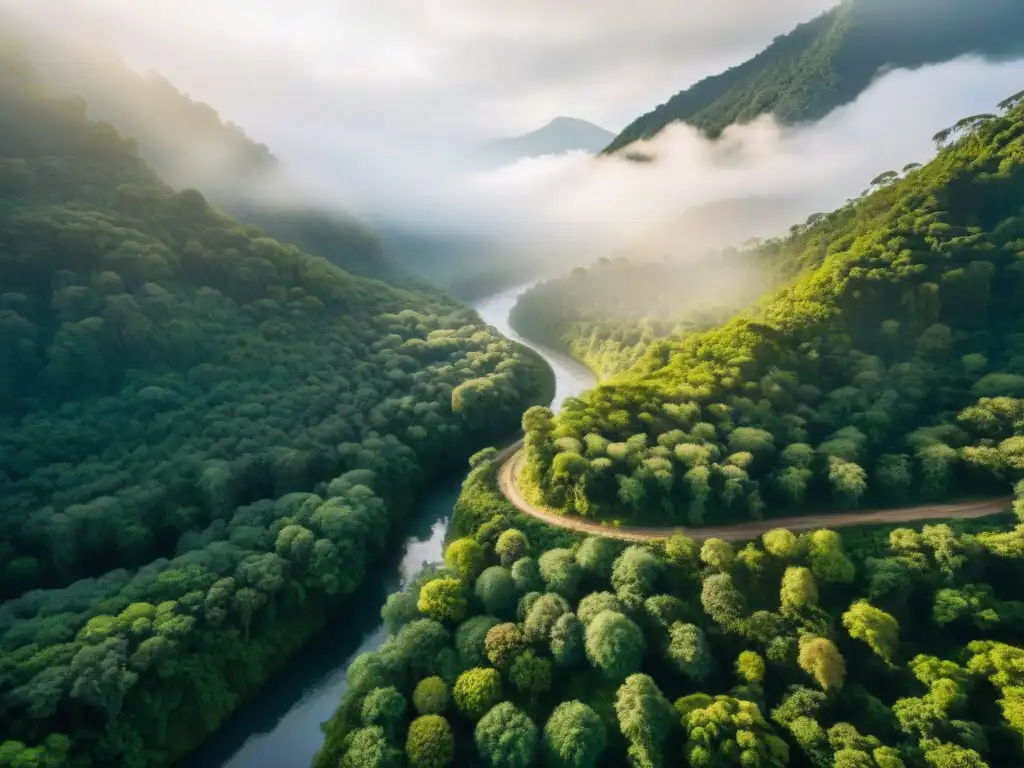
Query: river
{"x": 280, "y": 727}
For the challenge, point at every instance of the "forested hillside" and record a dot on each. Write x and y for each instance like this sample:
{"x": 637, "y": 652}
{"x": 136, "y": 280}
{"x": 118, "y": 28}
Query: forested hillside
{"x": 188, "y": 143}
{"x": 890, "y": 370}
{"x": 608, "y": 315}
{"x": 205, "y": 438}
{"x": 884, "y": 648}
{"x": 830, "y": 60}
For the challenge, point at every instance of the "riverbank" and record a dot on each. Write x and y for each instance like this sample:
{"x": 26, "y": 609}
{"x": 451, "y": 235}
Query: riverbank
{"x": 280, "y": 726}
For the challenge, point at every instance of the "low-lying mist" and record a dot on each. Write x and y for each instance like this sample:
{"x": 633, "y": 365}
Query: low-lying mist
{"x": 757, "y": 180}
{"x": 541, "y": 214}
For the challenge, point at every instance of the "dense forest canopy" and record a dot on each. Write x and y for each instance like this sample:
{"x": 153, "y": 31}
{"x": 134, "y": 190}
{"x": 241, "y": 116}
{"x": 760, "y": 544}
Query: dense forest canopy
{"x": 883, "y": 648}
{"x": 890, "y": 369}
{"x": 205, "y": 438}
{"x": 830, "y": 60}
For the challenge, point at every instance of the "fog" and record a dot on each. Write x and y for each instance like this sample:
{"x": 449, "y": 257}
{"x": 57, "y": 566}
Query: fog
{"x": 782, "y": 175}
{"x": 372, "y": 108}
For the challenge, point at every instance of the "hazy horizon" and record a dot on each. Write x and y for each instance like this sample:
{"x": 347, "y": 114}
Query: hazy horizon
{"x": 372, "y": 110}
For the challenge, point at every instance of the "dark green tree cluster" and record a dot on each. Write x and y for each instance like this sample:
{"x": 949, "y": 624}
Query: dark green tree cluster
{"x": 830, "y": 60}
{"x": 889, "y": 648}
{"x": 889, "y": 370}
{"x": 205, "y": 438}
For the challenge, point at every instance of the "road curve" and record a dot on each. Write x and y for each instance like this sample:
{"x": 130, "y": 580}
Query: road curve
{"x": 508, "y": 472}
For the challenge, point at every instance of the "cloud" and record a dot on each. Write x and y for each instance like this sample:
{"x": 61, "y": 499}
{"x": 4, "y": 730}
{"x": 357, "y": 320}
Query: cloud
{"x": 371, "y": 107}
{"x": 586, "y": 203}
{"x": 418, "y": 69}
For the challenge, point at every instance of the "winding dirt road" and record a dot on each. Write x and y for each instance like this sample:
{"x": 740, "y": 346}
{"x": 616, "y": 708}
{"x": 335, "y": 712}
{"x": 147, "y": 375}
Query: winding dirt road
{"x": 512, "y": 456}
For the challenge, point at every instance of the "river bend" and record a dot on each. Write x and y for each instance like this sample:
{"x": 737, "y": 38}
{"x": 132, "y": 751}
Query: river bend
{"x": 280, "y": 727}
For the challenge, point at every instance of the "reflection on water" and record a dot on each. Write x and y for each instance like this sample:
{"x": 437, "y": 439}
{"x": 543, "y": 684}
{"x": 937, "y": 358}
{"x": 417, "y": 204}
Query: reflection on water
{"x": 280, "y": 728}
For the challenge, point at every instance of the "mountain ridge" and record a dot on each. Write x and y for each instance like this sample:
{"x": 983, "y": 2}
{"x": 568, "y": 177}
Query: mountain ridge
{"x": 560, "y": 135}
{"x": 830, "y": 60}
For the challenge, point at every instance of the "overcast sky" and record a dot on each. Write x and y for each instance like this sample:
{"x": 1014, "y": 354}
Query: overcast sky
{"x": 429, "y": 67}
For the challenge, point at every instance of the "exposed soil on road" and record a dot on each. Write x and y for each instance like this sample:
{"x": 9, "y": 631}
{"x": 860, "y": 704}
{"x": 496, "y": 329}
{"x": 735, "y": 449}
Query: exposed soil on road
{"x": 509, "y": 471}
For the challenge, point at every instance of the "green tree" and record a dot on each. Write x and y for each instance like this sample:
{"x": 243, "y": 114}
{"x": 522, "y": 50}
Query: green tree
{"x": 799, "y": 590}
{"x": 430, "y": 696}
{"x": 829, "y": 562}
{"x": 717, "y": 554}
{"x": 597, "y": 554}
{"x": 542, "y": 617}
{"x": 530, "y": 674}
{"x": 567, "y": 644}
{"x": 574, "y": 736}
{"x": 614, "y": 644}
{"x": 722, "y": 601}
{"x": 750, "y": 667}
{"x": 560, "y": 571}
{"x": 470, "y": 637}
{"x": 503, "y": 643}
{"x": 506, "y": 737}
{"x": 645, "y": 718}
{"x": 369, "y": 748}
{"x": 875, "y": 627}
{"x": 496, "y": 590}
{"x": 430, "y": 742}
{"x": 384, "y": 707}
{"x": 781, "y": 544}
{"x": 512, "y": 545}
{"x": 443, "y": 600}
{"x": 526, "y": 575}
{"x": 820, "y": 659}
{"x": 465, "y": 557}
{"x": 596, "y": 602}
{"x": 729, "y": 731}
{"x": 476, "y": 691}
{"x": 688, "y": 649}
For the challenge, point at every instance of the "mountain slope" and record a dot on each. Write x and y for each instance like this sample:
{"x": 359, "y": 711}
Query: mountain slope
{"x": 191, "y": 146}
{"x": 830, "y": 60}
{"x": 205, "y": 438}
{"x": 561, "y": 135}
{"x": 891, "y": 368}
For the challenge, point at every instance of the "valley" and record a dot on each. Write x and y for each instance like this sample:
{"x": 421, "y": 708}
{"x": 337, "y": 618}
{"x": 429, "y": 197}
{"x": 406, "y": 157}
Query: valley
{"x": 415, "y": 438}
{"x": 280, "y": 728}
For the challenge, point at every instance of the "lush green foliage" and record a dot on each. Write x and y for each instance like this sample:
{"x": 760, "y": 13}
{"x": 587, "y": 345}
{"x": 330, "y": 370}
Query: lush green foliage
{"x": 431, "y": 696}
{"x": 608, "y": 315}
{"x": 891, "y": 648}
{"x": 830, "y": 60}
{"x": 889, "y": 369}
{"x": 205, "y": 439}
{"x": 430, "y": 743}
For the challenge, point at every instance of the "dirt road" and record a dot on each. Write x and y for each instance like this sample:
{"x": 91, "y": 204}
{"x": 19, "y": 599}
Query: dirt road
{"x": 509, "y": 471}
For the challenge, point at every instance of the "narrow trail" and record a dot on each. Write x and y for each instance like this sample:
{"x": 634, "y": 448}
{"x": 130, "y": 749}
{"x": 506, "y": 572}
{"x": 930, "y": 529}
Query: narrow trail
{"x": 508, "y": 472}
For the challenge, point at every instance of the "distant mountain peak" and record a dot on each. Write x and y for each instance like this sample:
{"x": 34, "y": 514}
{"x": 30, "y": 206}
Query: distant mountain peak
{"x": 562, "y": 120}
{"x": 560, "y": 135}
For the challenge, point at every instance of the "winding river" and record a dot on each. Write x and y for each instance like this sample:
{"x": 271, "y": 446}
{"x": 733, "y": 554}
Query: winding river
{"x": 280, "y": 728}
